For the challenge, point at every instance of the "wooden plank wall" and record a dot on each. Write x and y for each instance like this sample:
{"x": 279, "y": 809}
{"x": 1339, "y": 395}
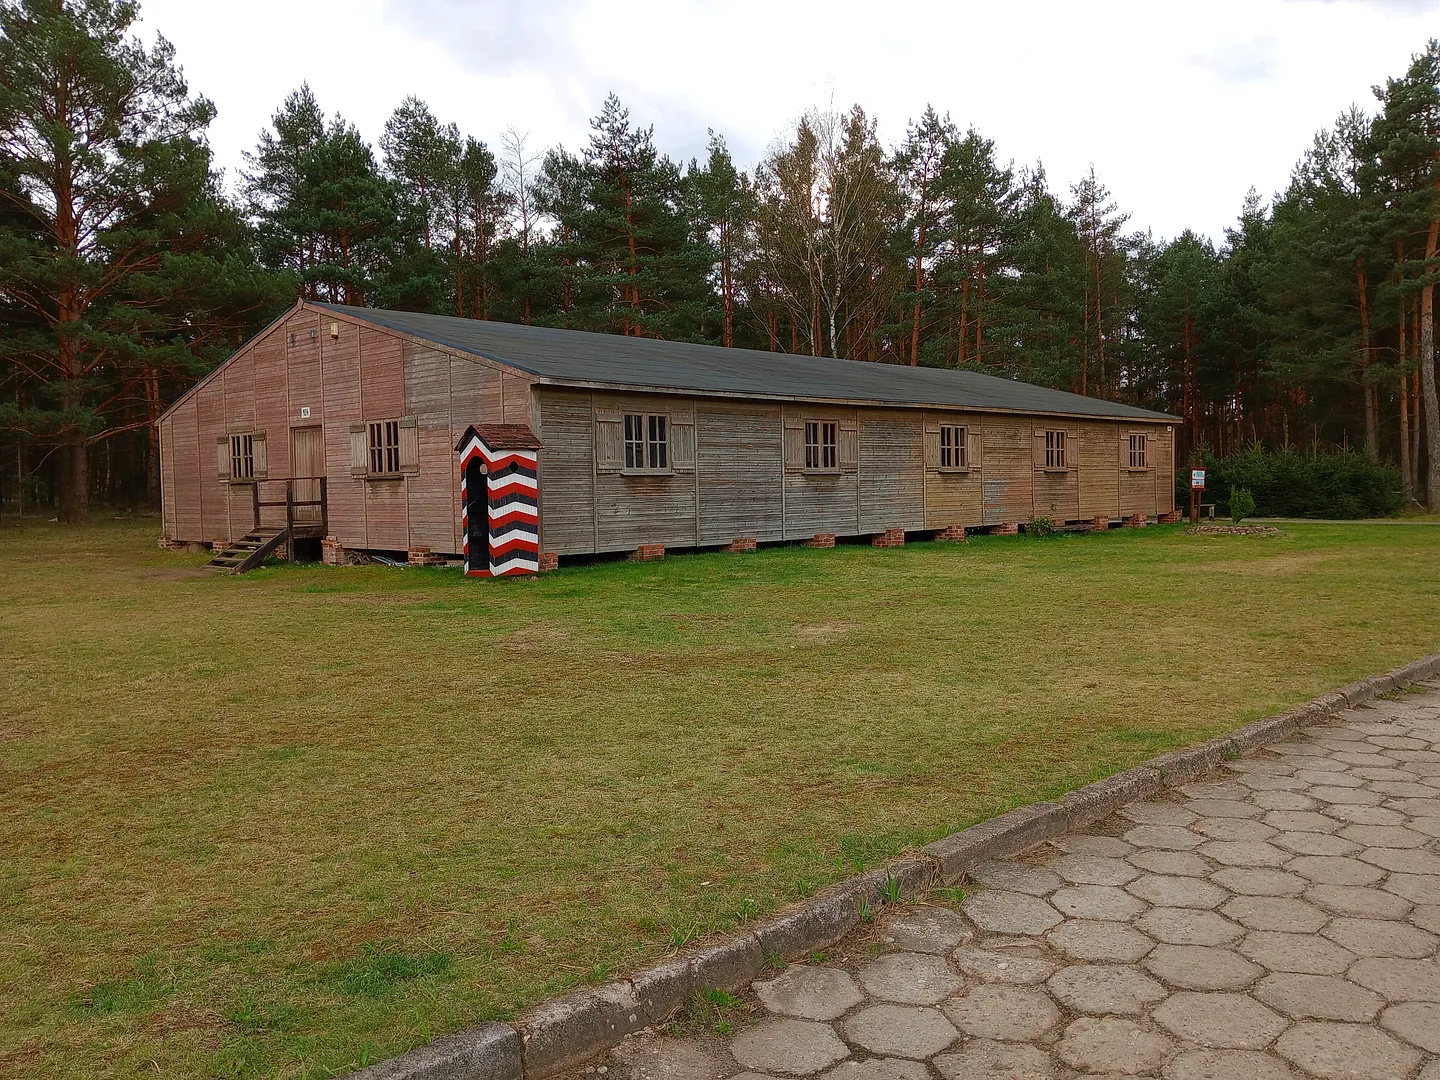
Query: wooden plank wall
{"x": 739, "y": 467}
{"x": 1009, "y": 472}
{"x": 1099, "y": 464}
{"x": 891, "y": 472}
{"x": 954, "y": 498}
{"x": 820, "y": 503}
{"x": 567, "y": 471}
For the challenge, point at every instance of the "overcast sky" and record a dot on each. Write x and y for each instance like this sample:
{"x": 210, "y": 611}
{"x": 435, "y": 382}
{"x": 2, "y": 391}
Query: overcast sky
{"x": 1181, "y": 108}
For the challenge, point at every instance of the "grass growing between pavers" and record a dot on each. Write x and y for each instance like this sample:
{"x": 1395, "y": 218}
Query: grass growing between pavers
{"x": 291, "y": 822}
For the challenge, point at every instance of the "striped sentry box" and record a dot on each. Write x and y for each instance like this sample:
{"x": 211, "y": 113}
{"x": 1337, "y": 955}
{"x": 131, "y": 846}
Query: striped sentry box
{"x": 506, "y": 541}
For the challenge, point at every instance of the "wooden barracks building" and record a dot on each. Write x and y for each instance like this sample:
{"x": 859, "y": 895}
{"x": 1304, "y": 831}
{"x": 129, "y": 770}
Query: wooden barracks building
{"x": 510, "y": 443}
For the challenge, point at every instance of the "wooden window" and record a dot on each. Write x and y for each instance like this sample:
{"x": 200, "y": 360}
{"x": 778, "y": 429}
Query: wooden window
{"x": 1137, "y": 450}
{"x": 954, "y": 447}
{"x": 647, "y": 442}
{"x": 821, "y": 446}
{"x": 242, "y": 457}
{"x": 1055, "y": 449}
{"x": 384, "y": 449}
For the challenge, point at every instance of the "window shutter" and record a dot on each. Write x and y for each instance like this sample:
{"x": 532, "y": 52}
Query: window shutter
{"x": 1039, "y": 447}
{"x": 409, "y": 445}
{"x": 222, "y": 454}
{"x": 682, "y": 442}
{"x": 794, "y": 444}
{"x": 359, "y": 451}
{"x": 849, "y": 445}
{"x": 609, "y": 440}
{"x": 973, "y": 460}
{"x": 932, "y": 444}
{"x": 257, "y": 452}
{"x": 1124, "y": 449}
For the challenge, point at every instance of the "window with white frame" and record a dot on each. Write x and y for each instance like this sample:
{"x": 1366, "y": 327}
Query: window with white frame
{"x": 821, "y": 438}
{"x": 647, "y": 442}
{"x": 1055, "y": 449}
{"x": 953, "y": 452}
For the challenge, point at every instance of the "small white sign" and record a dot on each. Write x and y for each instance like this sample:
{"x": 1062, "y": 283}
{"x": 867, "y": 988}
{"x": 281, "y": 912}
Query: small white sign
{"x": 1197, "y": 478}
{"x": 304, "y": 412}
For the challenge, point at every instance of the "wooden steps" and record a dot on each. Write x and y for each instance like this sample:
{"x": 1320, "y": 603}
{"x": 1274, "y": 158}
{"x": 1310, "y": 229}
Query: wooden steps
{"x": 248, "y": 552}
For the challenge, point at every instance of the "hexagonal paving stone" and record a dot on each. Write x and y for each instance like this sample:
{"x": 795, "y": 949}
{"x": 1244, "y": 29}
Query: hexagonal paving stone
{"x": 1313, "y": 843}
{"x": 1315, "y": 777}
{"x": 1417, "y": 888}
{"x": 1335, "y": 1051}
{"x": 1396, "y": 979}
{"x": 1105, "y": 990}
{"x": 1402, "y": 862}
{"x": 1334, "y": 870}
{"x": 1187, "y": 926}
{"x": 1260, "y": 882}
{"x": 1164, "y": 890}
{"x": 1282, "y": 800}
{"x": 1301, "y": 821}
{"x": 1231, "y": 1021}
{"x": 1156, "y": 813}
{"x": 797, "y": 1047}
{"x": 1222, "y": 808}
{"x": 1353, "y": 900}
{"x": 1275, "y": 913}
{"x": 900, "y": 1030}
{"x": 1380, "y": 937}
{"x": 1096, "y": 902}
{"x": 1386, "y": 836}
{"x": 809, "y": 992}
{"x": 878, "y": 1069}
{"x": 1164, "y": 837}
{"x": 983, "y": 1059}
{"x": 1417, "y": 1022}
{"x": 1244, "y": 853}
{"x": 1089, "y": 844}
{"x": 1094, "y": 870}
{"x": 1234, "y": 828}
{"x": 928, "y": 930}
{"x": 1364, "y": 815}
{"x": 1171, "y": 863}
{"x": 1228, "y": 790}
{"x": 1226, "y": 1065}
{"x": 1197, "y": 967}
{"x": 1002, "y": 965}
{"x": 1000, "y": 912}
{"x": 1427, "y": 917}
{"x": 1087, "y": 939}
{"x": 1303, "y": 953}
{"x": 1318, "y": 997}
{"x": 1352, "y": 796}
{"x": 1008, "y": 1013}
{"x": 1012, "y": 877}
{"x": 1096, "y": 1044}
{"x": 909, "y": 978}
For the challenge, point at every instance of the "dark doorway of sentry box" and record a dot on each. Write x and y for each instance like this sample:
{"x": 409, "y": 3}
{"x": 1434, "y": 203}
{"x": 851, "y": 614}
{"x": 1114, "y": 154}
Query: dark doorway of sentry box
{"x": 477, "y": 513}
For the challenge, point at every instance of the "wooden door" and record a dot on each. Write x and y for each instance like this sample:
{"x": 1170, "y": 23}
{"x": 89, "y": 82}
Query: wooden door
{"x": 307, "y": 466}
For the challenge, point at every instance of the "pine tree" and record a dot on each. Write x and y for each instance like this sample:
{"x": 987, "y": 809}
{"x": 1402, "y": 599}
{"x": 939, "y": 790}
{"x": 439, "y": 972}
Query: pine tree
{"x": 124, "y": 255}
{"x": 722, "y": 210}
{"x": 919, "y": 164}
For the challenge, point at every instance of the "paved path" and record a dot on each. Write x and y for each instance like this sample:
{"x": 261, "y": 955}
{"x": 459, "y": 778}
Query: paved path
{"x": 1279, "y": 921}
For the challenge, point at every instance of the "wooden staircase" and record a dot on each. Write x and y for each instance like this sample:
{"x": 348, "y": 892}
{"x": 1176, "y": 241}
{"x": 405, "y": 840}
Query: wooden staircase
{"x": 249, "y": 551}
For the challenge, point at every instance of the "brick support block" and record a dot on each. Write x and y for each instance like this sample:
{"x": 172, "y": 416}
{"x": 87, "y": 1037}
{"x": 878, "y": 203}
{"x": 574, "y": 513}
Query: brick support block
{"x": 889, "y": 538}
{"x": 821, "y": 540}
{"x": 648, "y": 553}
{"x": 1134, "y": 521}
{"x": 549, "y": 560}
{"x": 740, "y": 545}
{"x": 422, "y": 556}
{"x": 1100, "y": 524}
{"x": 1008, "y": 528}
{"x": 166, "y": 544}
{"x": 333, "y": 553}
{"x": 1168, "y": 519}
{"x": 955, "y": 533}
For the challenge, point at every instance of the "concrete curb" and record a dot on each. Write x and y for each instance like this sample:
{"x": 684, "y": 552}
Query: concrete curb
{"x": 562, "y": 1032}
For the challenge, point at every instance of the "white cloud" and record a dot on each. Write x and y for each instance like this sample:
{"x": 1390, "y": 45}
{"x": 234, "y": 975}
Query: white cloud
{"x": 1181, "y": 108}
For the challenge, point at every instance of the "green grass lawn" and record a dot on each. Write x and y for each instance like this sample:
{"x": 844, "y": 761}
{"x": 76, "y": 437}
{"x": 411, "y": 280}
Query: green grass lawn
{"x": 287, "y": 823}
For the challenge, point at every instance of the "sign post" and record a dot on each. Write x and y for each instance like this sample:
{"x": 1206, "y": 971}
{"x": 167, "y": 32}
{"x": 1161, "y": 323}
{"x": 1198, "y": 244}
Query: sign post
{"x": 1197, "y": 488}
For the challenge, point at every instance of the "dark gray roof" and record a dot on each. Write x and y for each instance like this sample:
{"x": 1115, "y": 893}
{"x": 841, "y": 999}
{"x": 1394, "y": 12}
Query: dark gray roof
{"x": 575, "y": 357}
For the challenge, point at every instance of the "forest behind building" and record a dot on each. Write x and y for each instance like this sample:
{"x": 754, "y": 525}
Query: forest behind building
{"x": 130, "y": 265}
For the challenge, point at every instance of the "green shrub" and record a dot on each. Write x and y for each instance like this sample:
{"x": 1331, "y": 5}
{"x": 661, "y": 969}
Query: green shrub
{"x": 1294, "y": 483}
{"x": 1242, "y": 504}
{"x": 1040, "y": 527}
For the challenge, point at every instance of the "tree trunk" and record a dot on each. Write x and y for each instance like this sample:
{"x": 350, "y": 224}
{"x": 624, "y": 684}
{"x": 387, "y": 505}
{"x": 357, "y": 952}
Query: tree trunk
{"x": 1407, "y": 475}
{"x": 74, "y": 481}
{"x": 964, "y": 354}
{"x": 1372, "y": 399}
{"x": 1427, "y": 372}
